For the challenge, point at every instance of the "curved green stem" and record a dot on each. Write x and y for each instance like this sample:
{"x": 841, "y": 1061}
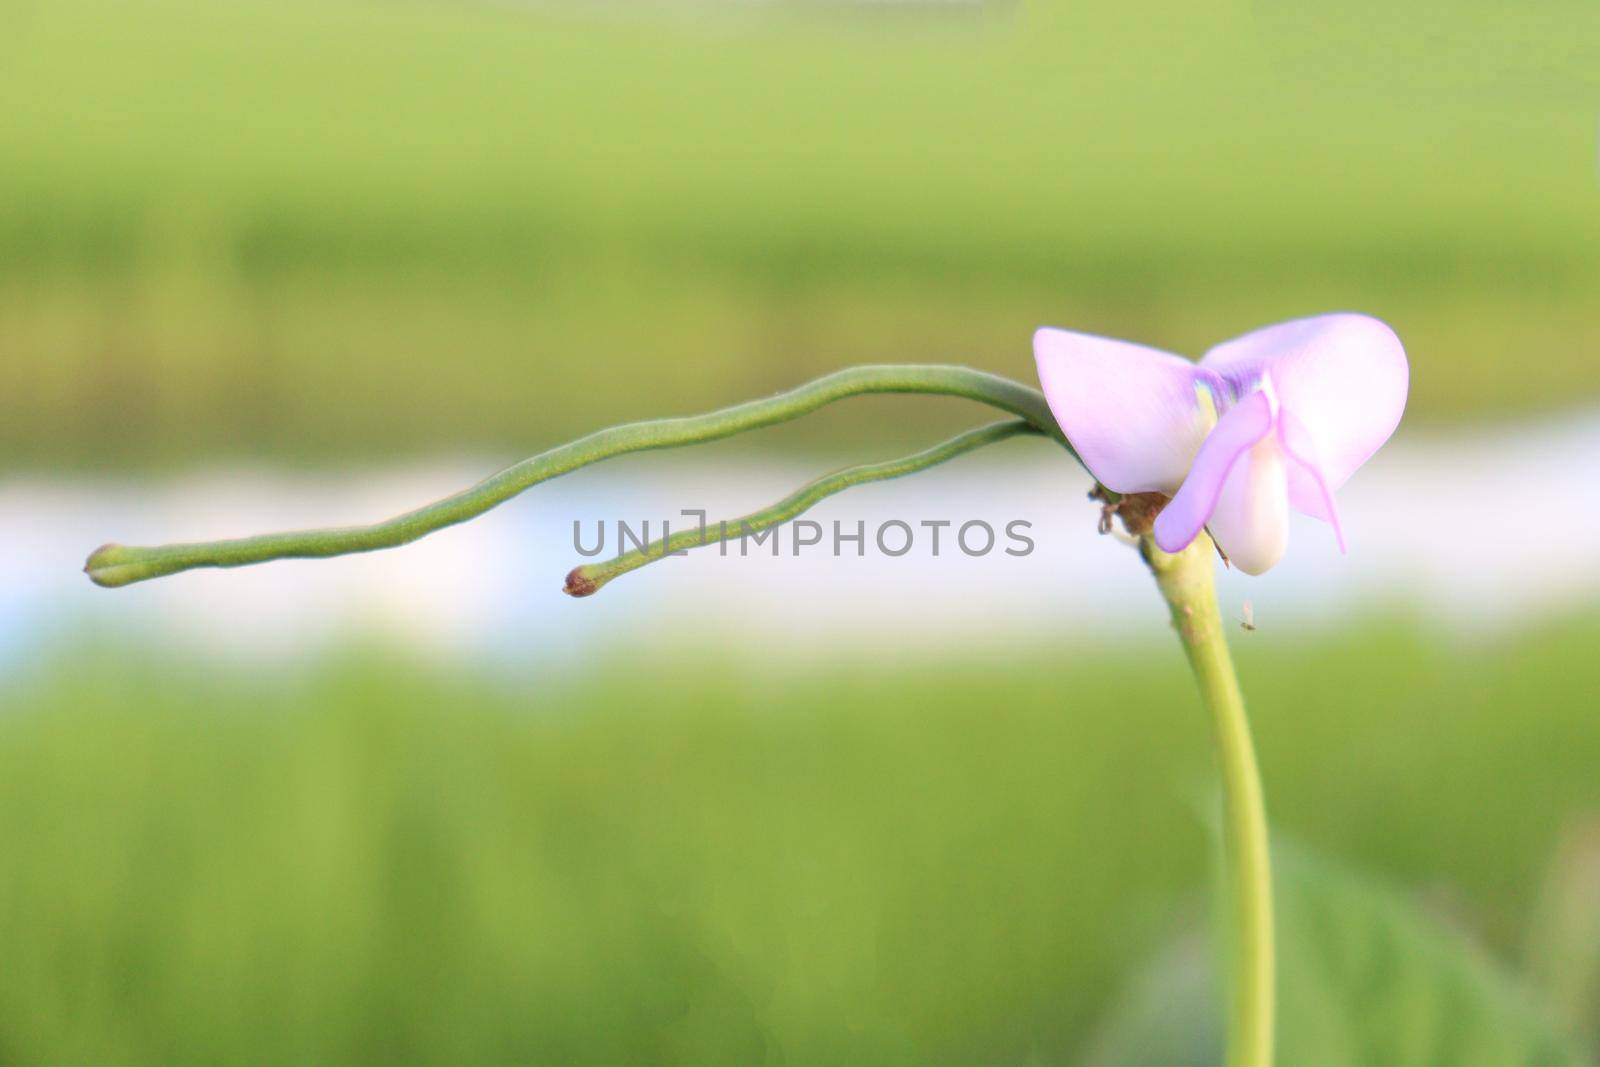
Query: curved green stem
{"x": 1186, "y": 581}
{"x": 587, "y": 579}
{"x": 117, "y": 565}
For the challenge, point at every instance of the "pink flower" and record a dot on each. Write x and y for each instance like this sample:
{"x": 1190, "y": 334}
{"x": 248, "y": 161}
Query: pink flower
{"x": 1275, "y": 419}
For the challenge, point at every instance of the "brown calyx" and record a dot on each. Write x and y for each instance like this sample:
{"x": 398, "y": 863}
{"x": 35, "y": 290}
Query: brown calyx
{"x": 1137, "y": 511}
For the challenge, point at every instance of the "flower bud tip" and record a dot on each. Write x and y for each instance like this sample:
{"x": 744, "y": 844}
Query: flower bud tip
{"x": 106, "y": 566}
{"x": 580, "y": 584}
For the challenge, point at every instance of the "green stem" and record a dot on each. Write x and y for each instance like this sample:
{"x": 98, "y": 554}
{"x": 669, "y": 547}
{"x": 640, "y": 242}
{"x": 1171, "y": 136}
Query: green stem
{"x": 1186, "y": 581}
{"x": 587, "y": 580}
{"x": 117, "y": 565}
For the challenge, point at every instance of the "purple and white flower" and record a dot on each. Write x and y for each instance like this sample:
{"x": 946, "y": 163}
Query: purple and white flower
{"x": 1277, "y": 419}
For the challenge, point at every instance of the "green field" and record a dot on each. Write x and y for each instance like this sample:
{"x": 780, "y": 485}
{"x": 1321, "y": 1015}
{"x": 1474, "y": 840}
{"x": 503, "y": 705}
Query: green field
{"x": 362, "y": 229}
{"x": 683, "y": 860}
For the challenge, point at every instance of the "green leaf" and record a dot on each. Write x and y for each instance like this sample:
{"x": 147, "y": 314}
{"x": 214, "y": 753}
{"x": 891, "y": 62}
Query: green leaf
{"x": 1365, "y": 980}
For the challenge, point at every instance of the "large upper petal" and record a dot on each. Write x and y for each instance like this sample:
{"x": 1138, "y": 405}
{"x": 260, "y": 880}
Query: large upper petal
{"x": 1342, "y": 376}
{"x": 1134, "y": 414}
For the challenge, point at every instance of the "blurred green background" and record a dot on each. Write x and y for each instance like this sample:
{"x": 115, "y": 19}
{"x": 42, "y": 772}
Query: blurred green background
{"x": 672, "y": 859}
{"x": 367, "y": 228}
{"x": 348, "y": 232}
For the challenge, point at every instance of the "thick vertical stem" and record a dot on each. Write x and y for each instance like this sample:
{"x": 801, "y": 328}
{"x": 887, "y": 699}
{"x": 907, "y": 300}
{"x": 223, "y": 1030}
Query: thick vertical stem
{"x": 1186, "y": 581}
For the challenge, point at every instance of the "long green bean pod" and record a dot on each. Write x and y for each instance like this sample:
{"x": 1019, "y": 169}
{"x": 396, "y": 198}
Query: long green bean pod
{"x": 118, "y": 565}
{"x": 587, "y": 579}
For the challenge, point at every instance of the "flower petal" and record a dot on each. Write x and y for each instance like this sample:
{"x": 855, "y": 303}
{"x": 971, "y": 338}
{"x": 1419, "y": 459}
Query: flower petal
{"x": 1133, "y": 413}
{"x": 1251, "y": 520}
{"x": 1344, "y": 376}
{"x": 1309, "y": 491}
{"x": 1180, "y": 521}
